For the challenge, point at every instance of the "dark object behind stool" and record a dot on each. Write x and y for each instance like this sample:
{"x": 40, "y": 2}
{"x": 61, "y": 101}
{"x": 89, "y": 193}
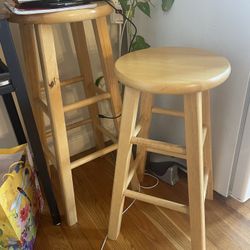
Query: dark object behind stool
{"x": 52, "y": 4}
{"x": 166, "y": 169}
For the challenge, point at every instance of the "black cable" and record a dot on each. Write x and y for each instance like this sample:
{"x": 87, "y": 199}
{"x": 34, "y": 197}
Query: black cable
{"x": 130, "y": 21}
{"x": 109, "y": 117}
{"x": 130, "y": 46}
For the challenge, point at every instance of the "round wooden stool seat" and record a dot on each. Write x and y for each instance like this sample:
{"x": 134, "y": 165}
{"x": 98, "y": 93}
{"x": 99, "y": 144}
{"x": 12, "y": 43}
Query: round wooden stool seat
{"x": 172, "y": 70}
{"x": 69, "y": 16}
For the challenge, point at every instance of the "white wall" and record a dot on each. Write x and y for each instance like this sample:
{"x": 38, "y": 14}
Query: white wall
{"x": 240, "y": 186}
{"x": 221, "y": 27}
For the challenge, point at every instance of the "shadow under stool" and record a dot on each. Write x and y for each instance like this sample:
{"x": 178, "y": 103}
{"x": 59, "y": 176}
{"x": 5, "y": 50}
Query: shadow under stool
{"x": 36, "y": 32}
{"x": 178, "y": 71}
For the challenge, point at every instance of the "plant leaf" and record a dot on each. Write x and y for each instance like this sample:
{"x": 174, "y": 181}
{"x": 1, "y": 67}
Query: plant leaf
{"x": 139, "y": 43}
{"x": 144, "y": 7}
{"x": 98, "y": 80}
{"x": 166, "y": 5}
{"x": 124, "y": 5}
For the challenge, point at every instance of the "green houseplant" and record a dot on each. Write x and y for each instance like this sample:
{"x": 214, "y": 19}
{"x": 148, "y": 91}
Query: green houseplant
{"x": 129, "y": 8}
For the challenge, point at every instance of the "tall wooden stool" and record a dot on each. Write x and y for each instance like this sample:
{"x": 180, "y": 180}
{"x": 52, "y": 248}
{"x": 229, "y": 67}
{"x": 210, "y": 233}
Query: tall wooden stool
{"x": 178, "y": 71}
{"x": 12, "y": 81}
{"x": 36, "y": 30}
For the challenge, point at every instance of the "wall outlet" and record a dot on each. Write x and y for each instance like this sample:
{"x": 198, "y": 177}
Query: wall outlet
{"x": 115, "y": 2}
{"x": 116, "y": 16}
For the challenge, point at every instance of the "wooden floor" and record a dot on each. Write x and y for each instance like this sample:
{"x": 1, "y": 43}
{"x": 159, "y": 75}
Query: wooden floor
{"x": 144, "y": 226}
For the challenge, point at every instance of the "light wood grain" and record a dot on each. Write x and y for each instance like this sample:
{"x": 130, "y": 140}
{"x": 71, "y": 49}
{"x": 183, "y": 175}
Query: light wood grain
{"x": 71, "y": 81}
{"x": 206, "y": 120}
{"x": 28, "y": 40}
{"x": 49, "y": 66}
{"x": 157, "y": 70}
{"x": 194, "y": 149}
{"x": 205, "y": 182}
{"x": 93, "y": 156}
{"x": 167, "y": 148}
{"x": 51, "y": 157}
{"x": 86, "y": 102}
{"x": 99, "y": 90}
{"x": 82, "y": 54}
{"x": 105, "y": 52}
{"x": 145, "y": 226}
{"x": 32, "y": 73}
{"x": 54, "y": 107}
{"x": 129, "y": 114}
{"x": 43, "y": 106}
{"x": 133, "y": 169}
{"x": 145, "y": 121}
{"x": 137, "y": 128}
{"x": 204, "y": 135}
{"x": 72, "y": 125}
{"x": 162, "y": 111}
{"x": 156, "y": 201}
{"x": 69, "y": 16}
{"x": 184, "y": 71}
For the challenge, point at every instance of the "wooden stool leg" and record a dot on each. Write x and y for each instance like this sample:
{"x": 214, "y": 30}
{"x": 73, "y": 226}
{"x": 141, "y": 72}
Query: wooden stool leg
{"x": 47, "y": 53}
{"x": 32, "y": 75}
{"x": 88, "y": 83}
{"x": 145, "y": 119}
{"x": 206, "y": 116}
{"x": 194, "y": 148}
{"x": 129, "y": 114}
{"x": 105, "y": 52}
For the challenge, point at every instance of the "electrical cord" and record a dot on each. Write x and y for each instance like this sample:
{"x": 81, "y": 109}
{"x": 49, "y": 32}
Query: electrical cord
{"x": 130, "y": 46}
{"x": 104, "y": 242}
{"x": 108, "y": 117}
{"x": 126, "y": 18}
{"x": 152, "y": 186}
{"x": 132, "y": 203}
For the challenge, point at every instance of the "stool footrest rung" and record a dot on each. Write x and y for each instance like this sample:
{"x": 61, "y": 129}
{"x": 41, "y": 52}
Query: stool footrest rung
{"x": 160, "y": 147}
{"x": 86, "y": 102}
{"x": 93, "y": 156}
{"x": 73, "y": 125}
{"x": 157, "y": 201}
{"x": 78, "y": 124}
{"x": 164, "y": 111}
{"x": 71, "y": 81}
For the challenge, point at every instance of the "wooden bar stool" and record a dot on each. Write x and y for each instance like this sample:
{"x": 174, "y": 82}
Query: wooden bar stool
{"x": 12, "y": 81}
{"x": 178, "y": 71}
{"x": 36, "y": 32}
